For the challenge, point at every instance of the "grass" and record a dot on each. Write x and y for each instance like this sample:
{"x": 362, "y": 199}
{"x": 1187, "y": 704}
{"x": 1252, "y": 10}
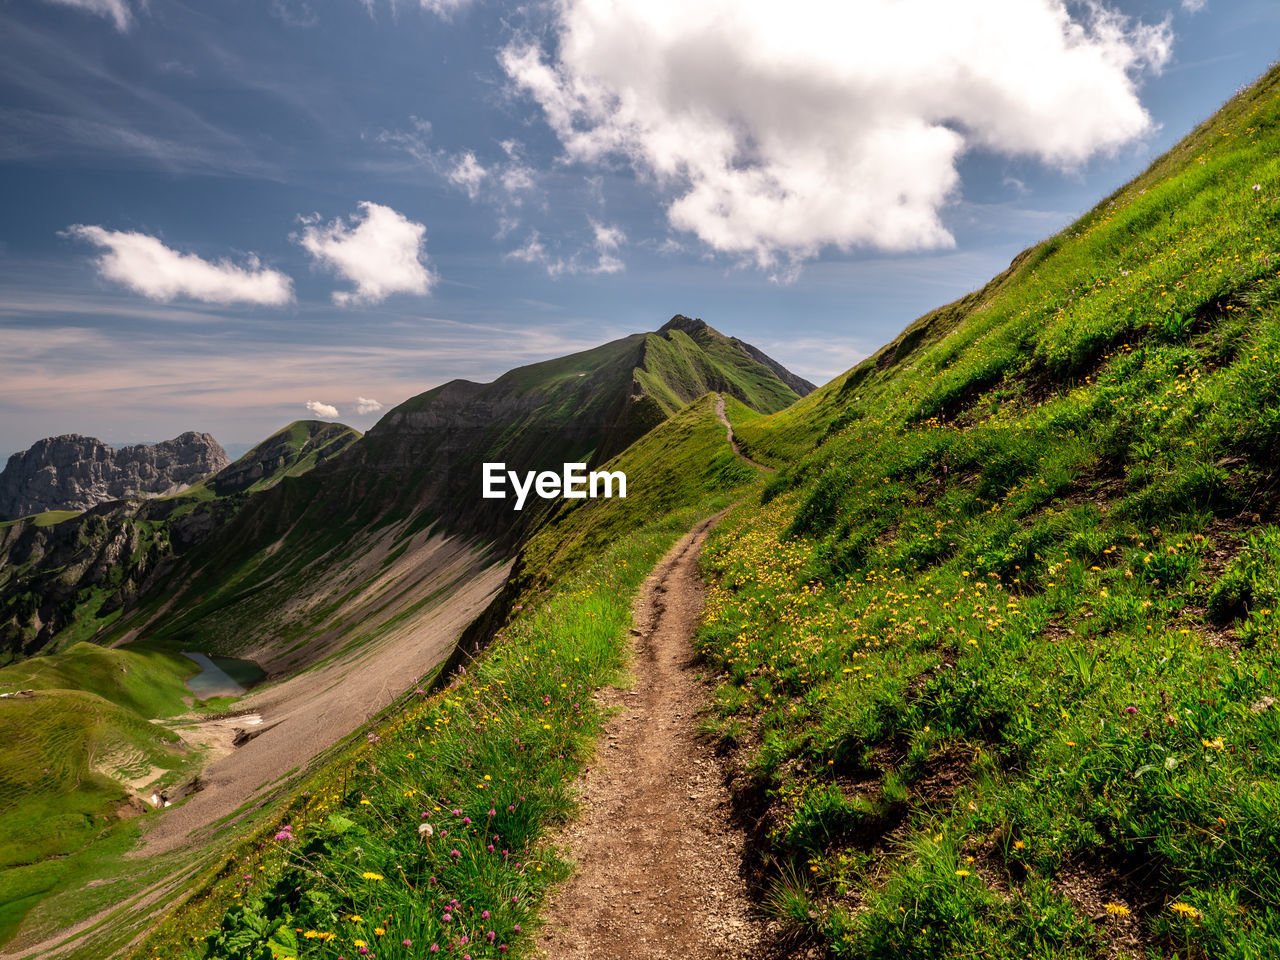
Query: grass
{"x": 487, "y": 761}
{"x": 999, "y": 641}
{"x": 64, "y": 750}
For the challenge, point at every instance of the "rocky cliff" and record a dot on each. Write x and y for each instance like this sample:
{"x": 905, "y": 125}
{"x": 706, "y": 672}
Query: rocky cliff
{"x": 72, "y": 472}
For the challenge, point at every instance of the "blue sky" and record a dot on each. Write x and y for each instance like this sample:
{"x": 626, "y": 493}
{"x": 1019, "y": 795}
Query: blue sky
{"x": 216, "y": 214}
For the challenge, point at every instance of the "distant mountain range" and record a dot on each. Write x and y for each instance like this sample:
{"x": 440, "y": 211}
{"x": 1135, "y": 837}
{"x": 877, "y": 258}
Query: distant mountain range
{"x": 297, "y": 503}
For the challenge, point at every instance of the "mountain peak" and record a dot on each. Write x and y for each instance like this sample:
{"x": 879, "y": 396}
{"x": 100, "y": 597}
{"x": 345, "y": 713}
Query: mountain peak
{"x": 683, "y": 323}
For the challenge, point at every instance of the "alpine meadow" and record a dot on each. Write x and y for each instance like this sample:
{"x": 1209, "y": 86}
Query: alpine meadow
{"x": 972, "y": 651}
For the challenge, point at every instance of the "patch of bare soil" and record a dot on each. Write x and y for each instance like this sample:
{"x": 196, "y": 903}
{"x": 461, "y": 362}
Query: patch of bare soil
{"x": 658, "y": 859}
{"x": 312, "y": 711}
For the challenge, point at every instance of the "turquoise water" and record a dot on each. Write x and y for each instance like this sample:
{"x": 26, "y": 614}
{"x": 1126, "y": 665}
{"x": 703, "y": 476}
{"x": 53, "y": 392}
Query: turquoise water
{"x": 222, "y": 676}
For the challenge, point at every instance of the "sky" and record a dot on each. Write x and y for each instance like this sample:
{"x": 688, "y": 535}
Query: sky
{"x": 225, "y": 217}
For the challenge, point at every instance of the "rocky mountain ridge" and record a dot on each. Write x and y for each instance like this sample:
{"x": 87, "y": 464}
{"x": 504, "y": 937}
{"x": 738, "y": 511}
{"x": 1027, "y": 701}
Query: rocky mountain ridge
{"x": 74, "y": 472}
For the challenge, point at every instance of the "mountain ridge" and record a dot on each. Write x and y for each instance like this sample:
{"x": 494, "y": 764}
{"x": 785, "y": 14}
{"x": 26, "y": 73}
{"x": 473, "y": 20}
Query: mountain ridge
{"x": 75, "y": 472}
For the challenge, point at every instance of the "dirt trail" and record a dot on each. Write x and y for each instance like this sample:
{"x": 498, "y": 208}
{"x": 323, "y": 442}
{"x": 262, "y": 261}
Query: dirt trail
{"x": 657, "y": 859}
{"x": 733, "y": 441}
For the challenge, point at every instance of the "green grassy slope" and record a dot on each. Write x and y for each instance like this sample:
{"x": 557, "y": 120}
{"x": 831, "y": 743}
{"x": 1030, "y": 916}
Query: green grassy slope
{"x": 1000, "y": 640}
{"x": 499, "y": 745}
{"x": 74, "y": 730}
{"x": 66, "y": 577}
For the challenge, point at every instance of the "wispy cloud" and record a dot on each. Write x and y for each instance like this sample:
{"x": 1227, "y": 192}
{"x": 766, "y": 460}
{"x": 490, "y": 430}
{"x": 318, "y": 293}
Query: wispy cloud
{"x": 117, "y": 11}
{"x": 601, "y": 256}
{"x": 76, "y": 105}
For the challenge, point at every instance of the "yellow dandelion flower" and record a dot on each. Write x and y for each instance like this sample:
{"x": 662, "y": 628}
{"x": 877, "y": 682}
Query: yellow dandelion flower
{"x": 1185, "y": 910}
{"x": 359, "y": 943}
{"x": 962, "y": 873}
{"x": 1117, "y": 909}
{"x": 371, "y": 876}
{"x": 379, "y": 931}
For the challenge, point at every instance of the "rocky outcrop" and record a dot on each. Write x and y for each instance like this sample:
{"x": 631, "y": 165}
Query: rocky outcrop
{"x": 72, "y": 472}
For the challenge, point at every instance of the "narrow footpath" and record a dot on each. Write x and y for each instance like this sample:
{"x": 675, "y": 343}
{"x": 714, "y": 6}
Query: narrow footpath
{"x": 657, "y": 858}
{"x": 733, "y": 441}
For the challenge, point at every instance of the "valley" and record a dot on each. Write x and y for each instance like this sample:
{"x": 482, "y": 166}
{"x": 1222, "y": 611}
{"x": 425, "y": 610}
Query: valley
{"x": 971, "y": 651}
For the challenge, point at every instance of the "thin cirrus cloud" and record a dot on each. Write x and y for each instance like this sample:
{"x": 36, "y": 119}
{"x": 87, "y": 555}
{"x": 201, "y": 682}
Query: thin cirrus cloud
{"x": 117, "y": 11}
{"x": 380, "y": 251}
{"x": 145, "y": 265}
{"x": 325, "y": 411}
{"x": 607, "y": 241}
{"x": 775, "y": 130}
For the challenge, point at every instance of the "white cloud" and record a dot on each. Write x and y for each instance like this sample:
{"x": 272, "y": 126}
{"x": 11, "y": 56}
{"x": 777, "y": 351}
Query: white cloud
{"x": 366, "y": 405}
{"x": 325, "y": 411}
{"x": 380, "y": 251}
{"x": 117, "y": 11}
{"x": 468, "y": 174}
{"x": 144, "y": 264}
{"x": 444, "y": 9}
{"x": 606, "y": 241}
{"x": 1193, "y": 6}
{"x": 778, "y": 129}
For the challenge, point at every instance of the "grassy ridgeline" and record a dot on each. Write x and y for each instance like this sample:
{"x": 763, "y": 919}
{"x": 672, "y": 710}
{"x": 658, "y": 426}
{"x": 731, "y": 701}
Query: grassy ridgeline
{"x": 1001, "y": 648}
{"x": 487, "y": 761}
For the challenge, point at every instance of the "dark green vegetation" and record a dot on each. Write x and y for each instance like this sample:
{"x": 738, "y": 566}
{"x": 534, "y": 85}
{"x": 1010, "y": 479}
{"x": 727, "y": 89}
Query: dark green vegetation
{"x": 67, "y": 576}
{"x": 433, "y": 828}
{"x": 1000, "y": 640}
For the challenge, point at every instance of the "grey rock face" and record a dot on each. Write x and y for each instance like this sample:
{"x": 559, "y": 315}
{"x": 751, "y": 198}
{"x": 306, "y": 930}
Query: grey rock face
{"x": 72, "y": 472}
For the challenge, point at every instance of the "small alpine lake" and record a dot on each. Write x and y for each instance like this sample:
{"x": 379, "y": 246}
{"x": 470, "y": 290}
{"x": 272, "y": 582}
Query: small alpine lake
{"x": 222, "y": 676}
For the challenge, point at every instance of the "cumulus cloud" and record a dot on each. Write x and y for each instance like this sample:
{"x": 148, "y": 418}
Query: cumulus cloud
{"x": 366, "y": 405}
{"x": 326, "y": 411}
{"x": 379, "y": 250}
{"x": 777, "y": 129}
{"x": 117, "y": 11}
{"x": 144, "y": 264}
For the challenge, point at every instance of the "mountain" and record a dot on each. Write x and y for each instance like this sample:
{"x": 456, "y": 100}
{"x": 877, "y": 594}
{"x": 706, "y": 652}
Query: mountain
{"x": 72, "y": 472}
{"x": 345, "y": 568}
{"x": 286, "y": 453}
{"x": 585, "y": 407}
{"x": 67, "y": 576}
{"x": 994, "y": 649}
{"x": 416, "y": 475}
